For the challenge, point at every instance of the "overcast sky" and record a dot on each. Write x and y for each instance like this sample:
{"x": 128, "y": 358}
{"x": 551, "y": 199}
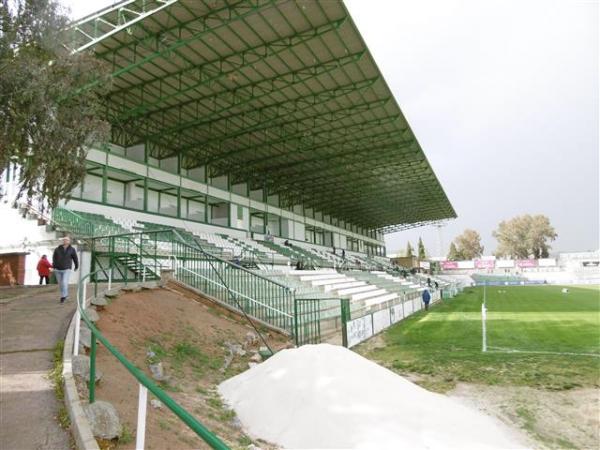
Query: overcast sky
{"x": 503, "y": 97}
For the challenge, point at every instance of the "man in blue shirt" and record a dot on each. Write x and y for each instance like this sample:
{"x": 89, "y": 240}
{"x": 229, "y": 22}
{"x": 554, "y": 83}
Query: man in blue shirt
{"x": 426, "y": 299}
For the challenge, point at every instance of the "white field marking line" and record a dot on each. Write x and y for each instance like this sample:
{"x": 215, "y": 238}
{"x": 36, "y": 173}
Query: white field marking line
{"x": 512, "y": 350}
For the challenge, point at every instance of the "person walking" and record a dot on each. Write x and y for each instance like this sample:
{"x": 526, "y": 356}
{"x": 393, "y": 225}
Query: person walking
{"x": 43, "y": 269}
{"x": 426, "y": 299}
{"x": 63, "y": 259}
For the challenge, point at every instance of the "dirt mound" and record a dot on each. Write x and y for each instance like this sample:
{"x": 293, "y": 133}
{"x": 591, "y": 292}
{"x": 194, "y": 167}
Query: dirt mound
{"x": 191, "y": 339}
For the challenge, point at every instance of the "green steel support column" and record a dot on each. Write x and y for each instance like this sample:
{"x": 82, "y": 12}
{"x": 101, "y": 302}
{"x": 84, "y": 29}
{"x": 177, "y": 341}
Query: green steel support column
{"x": 296, "y": 322}
{"x": 104, "y": 184}
{"x": 92, "y": 385}
{"x": 206, "y": 206}
{"x": 145, "y": 206}
{"x": 179, "y": 202}
{"x": 229, "y": 207}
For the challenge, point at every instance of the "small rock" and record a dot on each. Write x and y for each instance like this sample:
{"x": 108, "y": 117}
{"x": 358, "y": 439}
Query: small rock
{"x": 155, "y": 403}
{"x": 112, "y": 293}
{"x": 253, "y": 447}
{"x": 236, "y": 423}
{"x": 158, "y": 372}
{"x": 256, "y": 358}
{"x": 252, "y": 364}
{"x": 150, "y": 354}
{"x": 99, "y": 301}
{"x": 104, "y": 420}
{"x": 251, "y": 338}
{"x": 235, "y": 349}
{"x": 81, "y": 367}
{"x": 227, "y": 362}
{"x": 92, "y": 315}
{"x": 85, "y": 336}
{"x": 131, "y": 288}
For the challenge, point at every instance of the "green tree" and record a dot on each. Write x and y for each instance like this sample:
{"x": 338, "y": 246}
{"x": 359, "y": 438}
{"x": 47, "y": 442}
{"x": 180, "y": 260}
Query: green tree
{"x": 524, "y": 237}
{"x": 47, "y": 115}
{"x": 468, "y": 244}
{"x": 409, "y": 250}
{"x": 421, "y": 250}
{"x": 453, "y": 253}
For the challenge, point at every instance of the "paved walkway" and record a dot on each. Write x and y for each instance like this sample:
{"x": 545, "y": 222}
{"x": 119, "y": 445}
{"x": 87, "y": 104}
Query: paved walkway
{"x": 31, "y": 323}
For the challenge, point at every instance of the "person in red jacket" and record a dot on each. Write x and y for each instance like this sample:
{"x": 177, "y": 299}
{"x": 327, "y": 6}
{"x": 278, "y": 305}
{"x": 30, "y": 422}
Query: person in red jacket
{"x": 43, "y": 268}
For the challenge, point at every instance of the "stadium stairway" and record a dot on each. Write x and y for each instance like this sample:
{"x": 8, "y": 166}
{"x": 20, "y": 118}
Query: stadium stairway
{"x": 261, "y": 254}
{"x": 140, "y": 268}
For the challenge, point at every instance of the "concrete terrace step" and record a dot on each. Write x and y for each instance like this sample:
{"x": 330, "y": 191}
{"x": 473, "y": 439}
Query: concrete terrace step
{"x": 369, "y": 294}
{"x": 356, "y": 290}
{"x": 343, "y": 285}
{"x": 314, "y": 272}
{"x": 382, "y": 299}
{"x": 333, "y": 281}
{"x": 331, "y": 276}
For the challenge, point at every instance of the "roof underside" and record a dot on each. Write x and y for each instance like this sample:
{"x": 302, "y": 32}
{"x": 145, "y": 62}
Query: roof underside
{"x": 283, "y": 95}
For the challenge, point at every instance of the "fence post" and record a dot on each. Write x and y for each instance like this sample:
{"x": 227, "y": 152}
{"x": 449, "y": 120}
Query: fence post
{"x": 140, "y": 434}
{"x": 296, "y": 322}
{"x": 345, "y": 305}
{"x": 77, "y": 326}
{"x": 142, "y": 268}
{"x": 92, "y": 385}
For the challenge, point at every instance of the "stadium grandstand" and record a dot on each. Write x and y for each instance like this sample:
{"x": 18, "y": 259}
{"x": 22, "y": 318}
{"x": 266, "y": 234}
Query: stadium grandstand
{"x": 256, "y": 150}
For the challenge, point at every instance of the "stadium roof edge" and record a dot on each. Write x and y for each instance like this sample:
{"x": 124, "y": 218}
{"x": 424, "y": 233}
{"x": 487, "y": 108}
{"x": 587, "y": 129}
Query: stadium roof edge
{"x": 281, "y": 94}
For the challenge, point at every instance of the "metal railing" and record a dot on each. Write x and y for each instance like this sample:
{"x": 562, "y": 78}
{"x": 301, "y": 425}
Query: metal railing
{"x": 266, "y": 300}
{"x": 81, "y": 226}
{"x": 145, "y": 384}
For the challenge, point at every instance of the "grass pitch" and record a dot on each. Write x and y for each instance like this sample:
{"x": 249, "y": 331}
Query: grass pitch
{"x": 537, "y": 336}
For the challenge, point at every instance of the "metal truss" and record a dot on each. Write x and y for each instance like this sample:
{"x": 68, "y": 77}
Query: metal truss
{"x": 280, "y": 94}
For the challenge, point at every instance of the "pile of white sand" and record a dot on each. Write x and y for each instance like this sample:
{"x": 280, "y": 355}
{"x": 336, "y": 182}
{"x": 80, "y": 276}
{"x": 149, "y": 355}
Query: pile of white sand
{"x": 325, "y": 396}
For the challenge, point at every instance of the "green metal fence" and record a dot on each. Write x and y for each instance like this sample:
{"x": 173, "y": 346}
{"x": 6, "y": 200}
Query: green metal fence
{"x": 83, "y": 224}
{"x": 145, "y": 383}
{"x": 141, "y": 256}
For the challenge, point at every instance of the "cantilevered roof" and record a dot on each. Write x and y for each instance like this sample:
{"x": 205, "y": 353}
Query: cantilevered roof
{"x": 282, "y": 94}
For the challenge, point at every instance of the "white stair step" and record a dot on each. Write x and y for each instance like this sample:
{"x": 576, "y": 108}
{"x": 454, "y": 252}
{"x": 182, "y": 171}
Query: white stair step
{"x": 336, "y": 281}
{"x": 356, "y": 290}
{"x": 335, "y": 287}
{"x": 330, "y": 276}
{"x": 368, "y": 294}
{"x": 314, "y": 272}
{"x": 377, "y": 300}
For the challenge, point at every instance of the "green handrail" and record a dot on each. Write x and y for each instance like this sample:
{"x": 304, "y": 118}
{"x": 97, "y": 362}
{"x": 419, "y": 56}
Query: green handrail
{"x": 253, "y": 294}
{"x": 229, "y": 263}
{"x": 203, "y": 432}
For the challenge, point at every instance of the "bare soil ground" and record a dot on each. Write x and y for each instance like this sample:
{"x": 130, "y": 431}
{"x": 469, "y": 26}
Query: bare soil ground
{"x": 552, "y": 419}
{"x": 189, "y": 335}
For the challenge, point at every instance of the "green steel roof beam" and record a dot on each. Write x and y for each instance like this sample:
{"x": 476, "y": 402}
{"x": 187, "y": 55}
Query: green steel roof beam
{"x": 285, "y": 106}
{"x": 256, "y": 91}
{"x": 299, "y": 125}
{"x": 267, "y": 116}
{"x": 234, "y": 12}
{"x": 316, "y": 140}
{"x": 352, "y": 151}
{"x": 209, "y": 72}
{"x": 113, "y": 28}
